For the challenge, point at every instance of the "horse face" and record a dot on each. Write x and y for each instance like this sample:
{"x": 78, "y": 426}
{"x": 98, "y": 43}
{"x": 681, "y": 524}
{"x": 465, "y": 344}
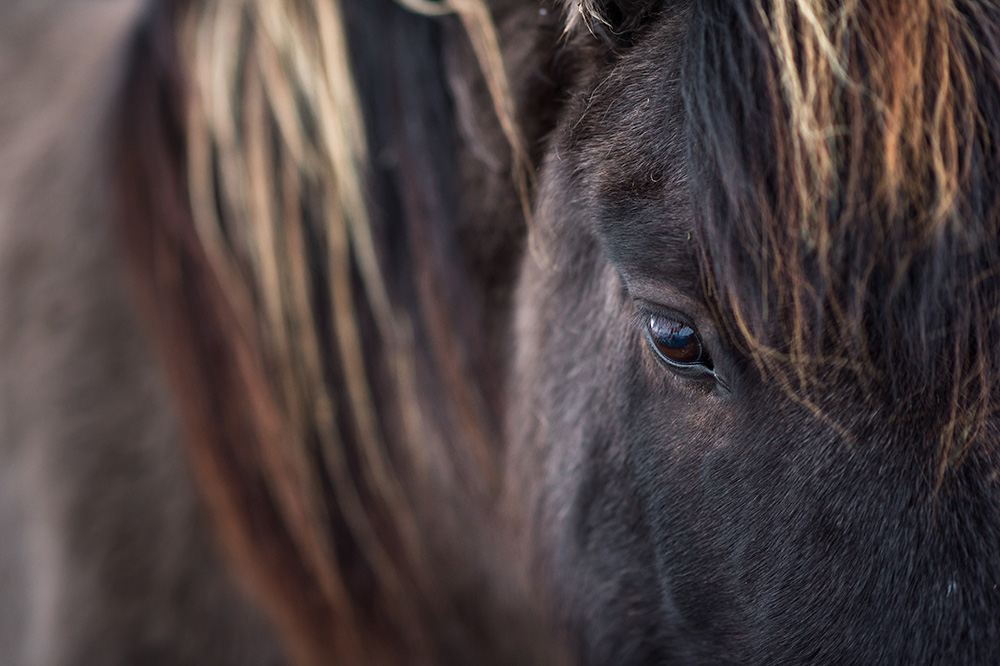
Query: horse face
{"x": 696, "y": 511}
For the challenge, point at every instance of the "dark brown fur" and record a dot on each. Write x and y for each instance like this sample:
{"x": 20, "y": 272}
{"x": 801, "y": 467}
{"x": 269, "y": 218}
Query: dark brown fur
{"x": 426, "y": 421}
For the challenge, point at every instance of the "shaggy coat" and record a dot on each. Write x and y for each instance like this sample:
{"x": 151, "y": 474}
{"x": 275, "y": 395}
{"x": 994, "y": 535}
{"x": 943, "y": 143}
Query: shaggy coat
{"x": 609, "y": 331}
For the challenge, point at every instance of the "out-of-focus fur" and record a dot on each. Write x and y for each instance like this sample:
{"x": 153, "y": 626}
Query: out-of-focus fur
{"x": 104, "y": 555}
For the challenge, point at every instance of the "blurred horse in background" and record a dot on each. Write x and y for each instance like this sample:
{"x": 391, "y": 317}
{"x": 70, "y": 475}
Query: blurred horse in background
{"x": 506, "y": 331}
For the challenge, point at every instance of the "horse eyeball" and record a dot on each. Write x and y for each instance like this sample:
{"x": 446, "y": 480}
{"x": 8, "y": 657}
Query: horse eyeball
{"x": 675, "y": 342}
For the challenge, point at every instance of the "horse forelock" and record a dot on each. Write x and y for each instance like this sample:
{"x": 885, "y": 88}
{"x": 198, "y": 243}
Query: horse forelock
{"x": 845, "y": 155}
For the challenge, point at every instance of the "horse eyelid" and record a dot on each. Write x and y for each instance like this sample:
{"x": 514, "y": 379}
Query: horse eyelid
{"x": 644, "y": 310}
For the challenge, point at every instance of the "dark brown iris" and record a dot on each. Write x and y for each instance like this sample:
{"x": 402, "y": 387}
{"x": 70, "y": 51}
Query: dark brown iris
{"x": 674, "y": 341}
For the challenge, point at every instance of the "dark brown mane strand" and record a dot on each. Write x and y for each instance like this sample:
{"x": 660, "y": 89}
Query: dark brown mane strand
{"x": 323, "y": 333}
{"x": 216, "y": 367}
{"x": 845, "y": 155}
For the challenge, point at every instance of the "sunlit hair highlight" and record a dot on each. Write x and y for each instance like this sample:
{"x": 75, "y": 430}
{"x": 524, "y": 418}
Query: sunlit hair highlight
{"x": 849, "y": 149}
{"x": 295, "y": 366}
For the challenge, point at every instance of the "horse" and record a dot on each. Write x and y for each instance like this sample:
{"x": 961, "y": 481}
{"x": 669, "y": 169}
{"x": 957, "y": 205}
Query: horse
{"x": 501, "y": 331}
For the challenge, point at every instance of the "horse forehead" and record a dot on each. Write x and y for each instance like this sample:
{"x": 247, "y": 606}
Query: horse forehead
{"x": 628, "y": 133}
{"x": 629, "y": 113}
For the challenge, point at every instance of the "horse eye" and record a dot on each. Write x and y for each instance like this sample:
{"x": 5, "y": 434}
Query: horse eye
{"x": 675, "y": 342}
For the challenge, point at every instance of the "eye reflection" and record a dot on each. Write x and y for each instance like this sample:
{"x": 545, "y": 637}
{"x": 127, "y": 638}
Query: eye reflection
{"x": 676, "y": 342}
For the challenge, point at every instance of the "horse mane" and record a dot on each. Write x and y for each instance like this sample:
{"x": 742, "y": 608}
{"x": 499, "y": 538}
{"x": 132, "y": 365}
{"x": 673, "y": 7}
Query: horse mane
{"x": 290, "y": 213}
{"x": 291, "y": 234}
{"x": 845, "y": 158}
